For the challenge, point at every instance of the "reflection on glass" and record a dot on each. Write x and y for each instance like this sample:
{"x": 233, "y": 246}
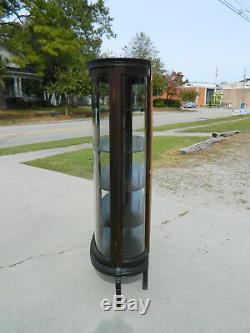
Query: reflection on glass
{"x": 102, "y": 233}
{"x": 138, "y": 100}
{"x": 134, "y": 167}
{"x": 133, "y": 224}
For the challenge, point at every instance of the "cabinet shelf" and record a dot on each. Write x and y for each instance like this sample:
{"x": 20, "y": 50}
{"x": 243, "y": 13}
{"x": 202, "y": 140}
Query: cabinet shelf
{"x": 135, "y": 183}
{"x": 133, "y": 241}
{"x": 134, "y": 209}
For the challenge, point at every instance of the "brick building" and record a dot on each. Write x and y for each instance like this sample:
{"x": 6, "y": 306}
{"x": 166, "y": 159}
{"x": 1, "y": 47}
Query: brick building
{"x": 205, "y": 92}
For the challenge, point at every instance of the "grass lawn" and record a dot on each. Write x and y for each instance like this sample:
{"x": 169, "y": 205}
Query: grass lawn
{"x": 80, "y": 163}
{"x": 198, "y": 123}
{"x": 17, "y": 116}
{"x": 44, "y": 145}
{"x": 243, "y": 125}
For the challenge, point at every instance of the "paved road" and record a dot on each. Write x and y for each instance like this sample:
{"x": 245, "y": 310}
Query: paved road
{"x": 25, "y": 134}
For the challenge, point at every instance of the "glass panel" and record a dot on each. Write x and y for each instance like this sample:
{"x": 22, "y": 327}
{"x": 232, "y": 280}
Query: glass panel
{"x": 134, "y": 166}
{"x": 101, "y": 166}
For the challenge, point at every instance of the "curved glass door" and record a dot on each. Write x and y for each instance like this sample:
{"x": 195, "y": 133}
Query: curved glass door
{"x": 134, "y": 166}
{"x": 101, "y": 165}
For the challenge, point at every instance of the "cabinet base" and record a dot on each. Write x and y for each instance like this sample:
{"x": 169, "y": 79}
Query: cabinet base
{"x": 128, "y": 269}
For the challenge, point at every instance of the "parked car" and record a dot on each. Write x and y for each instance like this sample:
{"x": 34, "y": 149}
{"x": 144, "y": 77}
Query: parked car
{"x": 189, "y": 105}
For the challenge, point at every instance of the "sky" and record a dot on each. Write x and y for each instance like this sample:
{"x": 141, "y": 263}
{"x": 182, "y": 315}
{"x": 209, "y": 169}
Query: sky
{"x": 192, "y": 36}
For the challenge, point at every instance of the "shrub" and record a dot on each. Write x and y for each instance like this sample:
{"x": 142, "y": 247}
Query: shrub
{"x": 171, "y": 103}
{"x": 16, "y": 102}
{"x": 188, "y": 95}
{"x": 159, "y": 103}
{"x": 22, "y": 103}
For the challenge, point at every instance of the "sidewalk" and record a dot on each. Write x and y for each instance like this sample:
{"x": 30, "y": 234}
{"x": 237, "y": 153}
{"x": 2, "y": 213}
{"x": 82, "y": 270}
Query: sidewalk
{"x": 198, "y": 279}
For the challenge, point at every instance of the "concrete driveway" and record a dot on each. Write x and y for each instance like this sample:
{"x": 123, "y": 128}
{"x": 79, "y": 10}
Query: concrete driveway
{"x": 48, "y": 285}
{"x": 24, "y": 134}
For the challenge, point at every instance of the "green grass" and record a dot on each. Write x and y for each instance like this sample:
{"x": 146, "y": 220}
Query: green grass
{"x": 198, "y": 123}
{"x": 243, "y": 125}
{"x": 80, "y": 163}
{"x": 17, "y": 116}
{"x": 44, "y": 145}
{"x": 162, "y": 145}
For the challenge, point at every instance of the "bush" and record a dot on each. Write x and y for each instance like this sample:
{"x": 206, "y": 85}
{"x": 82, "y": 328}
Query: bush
{"x": 22, "y": 103}
{"x": 162, "y": 103}
{"x": 159, "y": 103}
{"x": 43, "y": 104}
{"x": 16, "y": 102}
{"x": 173, "y": 103}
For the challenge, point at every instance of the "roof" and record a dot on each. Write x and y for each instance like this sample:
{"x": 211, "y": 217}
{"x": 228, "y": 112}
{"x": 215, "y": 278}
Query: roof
{"x": 237, "y": 85}
{"x": 200, "y": 85}
{"x": 13, "y": 68}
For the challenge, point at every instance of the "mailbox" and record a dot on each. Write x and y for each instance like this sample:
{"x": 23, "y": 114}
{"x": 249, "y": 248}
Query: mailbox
{"x": 122, "y": 121}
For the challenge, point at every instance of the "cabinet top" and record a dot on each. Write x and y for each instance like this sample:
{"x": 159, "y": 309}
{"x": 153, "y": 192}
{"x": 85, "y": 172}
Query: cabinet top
{"x": 113, "y": 62}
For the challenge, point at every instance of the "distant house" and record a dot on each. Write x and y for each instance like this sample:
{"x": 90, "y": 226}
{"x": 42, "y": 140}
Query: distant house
{"x": 205, "y": 92}
{"x": 20, "y": 83}
{"x": 235, "y": 93}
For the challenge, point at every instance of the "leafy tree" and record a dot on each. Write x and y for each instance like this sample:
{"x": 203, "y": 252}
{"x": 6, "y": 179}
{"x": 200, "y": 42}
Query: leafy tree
{"x": 216, "y": 99}
{"x": 188, "y": 95}
{"x": 142, "y": 47}
{"x": 68, "y": 86}
{"x": 11, "y": 7}
{"x": 2, "y": 72}
{"x": 12, "y": 14}
{"x": 159, "y": 84}
{"x": 174, "y": 81}
{"x": 55, "y": 36}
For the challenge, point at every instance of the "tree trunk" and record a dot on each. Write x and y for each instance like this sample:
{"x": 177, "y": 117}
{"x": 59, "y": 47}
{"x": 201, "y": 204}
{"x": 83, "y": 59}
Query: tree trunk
{"x": 66, "y": 105}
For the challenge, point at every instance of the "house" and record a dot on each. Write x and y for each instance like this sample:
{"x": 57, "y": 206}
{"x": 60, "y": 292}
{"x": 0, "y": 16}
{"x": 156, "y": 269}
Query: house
{"x": 205, "y": 92}
{"x": 19, "y": 83}
{"x": 235, "y": 93}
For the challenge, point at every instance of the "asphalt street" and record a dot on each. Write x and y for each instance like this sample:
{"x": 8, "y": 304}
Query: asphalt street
{"x": 32, "y": 133}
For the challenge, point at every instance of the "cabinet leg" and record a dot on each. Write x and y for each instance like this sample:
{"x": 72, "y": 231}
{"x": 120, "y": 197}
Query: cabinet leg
{"x": 145, "y": 280}
{"x": 118, "y": 289}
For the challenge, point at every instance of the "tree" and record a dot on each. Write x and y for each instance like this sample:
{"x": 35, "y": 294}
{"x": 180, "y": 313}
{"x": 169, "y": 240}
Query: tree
{"x": 2, "y": 72}
{"x": 68, "y": 86}
{"x": 55, "y": 36}
{"x": 159, "y": 84}
{"x": 142, "y": 47}
{"x": 188, "y": 95}
{"x": 174, "y": 81}
{"x": 216, "y": 99}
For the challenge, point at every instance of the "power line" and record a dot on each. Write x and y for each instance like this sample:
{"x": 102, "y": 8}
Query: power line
{"x": 240, "y": 11}
{"x": 242, "y": 4}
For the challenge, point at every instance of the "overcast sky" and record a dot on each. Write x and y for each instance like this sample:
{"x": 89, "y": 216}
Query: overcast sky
{"x": 193, "y": 36}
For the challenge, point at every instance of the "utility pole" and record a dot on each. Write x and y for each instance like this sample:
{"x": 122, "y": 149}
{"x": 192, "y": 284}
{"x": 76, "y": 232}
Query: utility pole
{"x": 245, "y": 77}
{"x": 244, "y": 83}
{"x": 216, "y": 78}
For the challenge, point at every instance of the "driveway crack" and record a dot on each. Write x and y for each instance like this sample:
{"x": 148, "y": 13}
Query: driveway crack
{"x": 21, "y": 262}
